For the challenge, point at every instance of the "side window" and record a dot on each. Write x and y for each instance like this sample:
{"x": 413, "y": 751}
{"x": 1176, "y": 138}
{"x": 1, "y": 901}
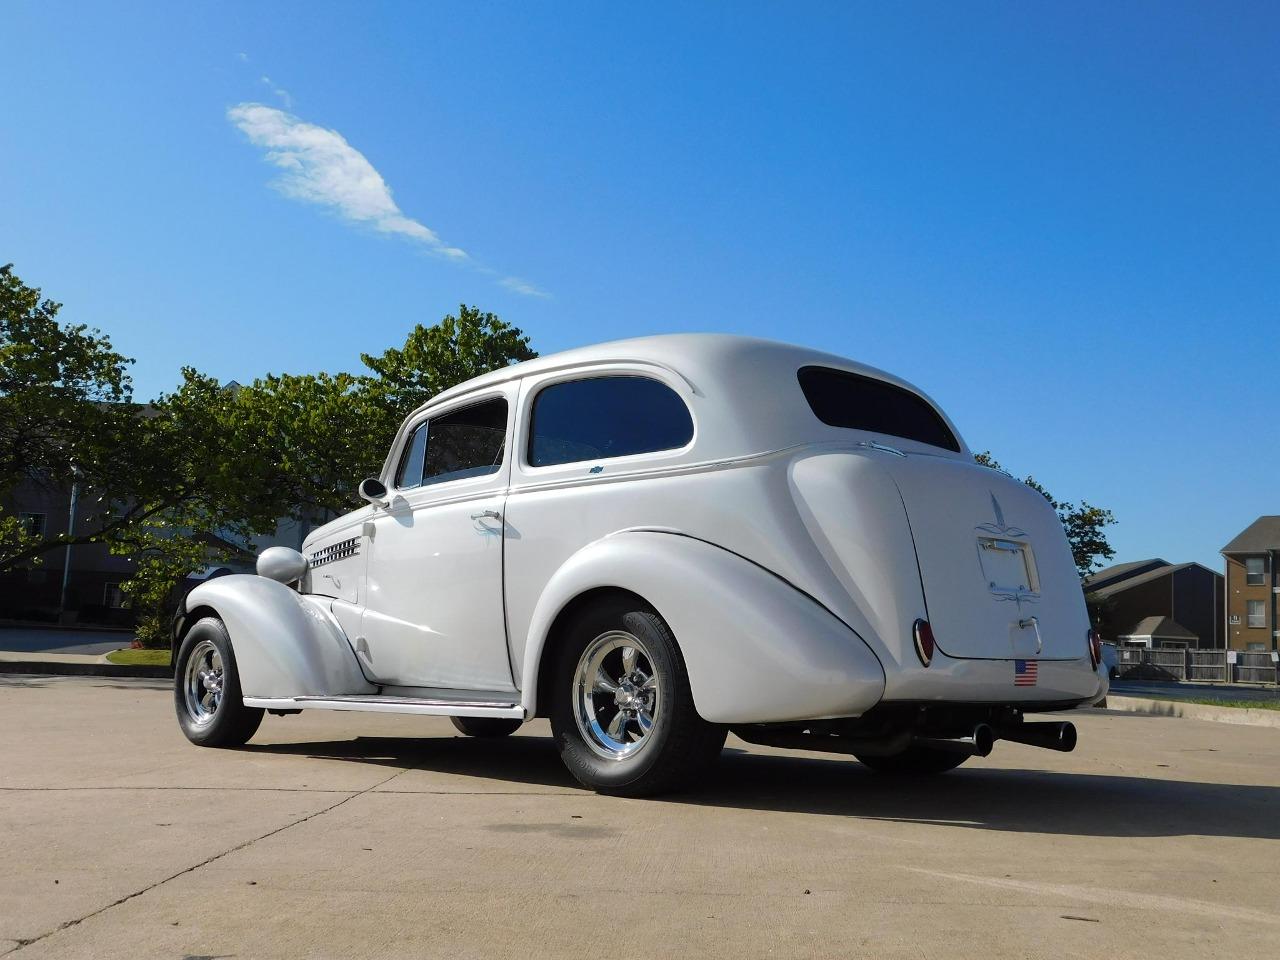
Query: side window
{"x": 462, "y": 443}
{"x": 603, "y": 417}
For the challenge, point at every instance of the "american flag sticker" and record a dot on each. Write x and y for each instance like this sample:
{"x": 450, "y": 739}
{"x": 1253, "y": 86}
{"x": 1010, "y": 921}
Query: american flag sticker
{"x": 1024, "y": 673}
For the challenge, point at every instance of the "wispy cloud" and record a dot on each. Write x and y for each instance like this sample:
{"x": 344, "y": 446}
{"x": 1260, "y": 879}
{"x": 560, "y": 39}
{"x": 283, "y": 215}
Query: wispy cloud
{"x": 320, "y": 167}
{"x": 278, "y": 91}
{"x": 523, "y": 286}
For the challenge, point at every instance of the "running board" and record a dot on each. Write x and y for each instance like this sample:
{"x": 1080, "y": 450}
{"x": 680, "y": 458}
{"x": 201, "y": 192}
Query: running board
{"x": 429, "y": 706}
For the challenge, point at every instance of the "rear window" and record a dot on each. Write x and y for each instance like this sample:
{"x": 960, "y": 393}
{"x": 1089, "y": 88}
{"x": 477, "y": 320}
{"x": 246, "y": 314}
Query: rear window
{"x": 842, "y": 399}
{"x": 604, "y": 417}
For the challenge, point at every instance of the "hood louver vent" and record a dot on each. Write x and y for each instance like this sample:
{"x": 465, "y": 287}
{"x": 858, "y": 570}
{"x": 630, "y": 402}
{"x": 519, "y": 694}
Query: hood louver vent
{"x": 335, "y": 551}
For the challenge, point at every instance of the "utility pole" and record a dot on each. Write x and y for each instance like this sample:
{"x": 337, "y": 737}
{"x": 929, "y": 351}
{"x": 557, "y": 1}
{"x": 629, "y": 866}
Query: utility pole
{"x": 1275, "y": 596}
{"x": 66, "y": 560}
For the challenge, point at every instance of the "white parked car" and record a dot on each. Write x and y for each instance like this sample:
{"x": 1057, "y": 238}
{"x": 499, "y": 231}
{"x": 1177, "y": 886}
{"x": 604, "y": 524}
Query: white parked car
{"x": 654, "y": 542}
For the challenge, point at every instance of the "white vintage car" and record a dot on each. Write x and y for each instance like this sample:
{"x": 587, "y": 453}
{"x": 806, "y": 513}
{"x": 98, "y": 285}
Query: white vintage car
{"x": 654, "y": 542}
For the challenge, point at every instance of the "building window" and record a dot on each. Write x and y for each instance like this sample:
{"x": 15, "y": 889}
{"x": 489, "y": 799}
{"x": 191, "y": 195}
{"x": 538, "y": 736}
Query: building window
{"x": 113, "y": 596}
{"x": 1253, "y": 571}
{"x": 33, "y": 523}
{"x": 1257, "y": 614}
{"x": 1257, "y": 646}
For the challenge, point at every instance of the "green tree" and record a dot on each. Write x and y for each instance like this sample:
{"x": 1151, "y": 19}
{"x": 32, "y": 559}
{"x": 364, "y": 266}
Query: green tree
{"x": 186, "y": 480}
{"x": 1084, "y": 524}
{"x": 310, "y": 439}
{"x": 438, "y": 357}
{"x": 314, "y": 437}
{"x": 60, "y": 388}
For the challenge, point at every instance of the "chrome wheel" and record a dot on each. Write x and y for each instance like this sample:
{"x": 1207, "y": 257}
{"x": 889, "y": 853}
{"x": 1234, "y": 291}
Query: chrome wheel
{"x": 202, "y": 682}
{"x": 615, "y": 695}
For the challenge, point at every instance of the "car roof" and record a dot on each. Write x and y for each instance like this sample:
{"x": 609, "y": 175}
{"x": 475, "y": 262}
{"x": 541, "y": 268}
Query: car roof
{"x": 723, "y": 374}
{"x": 694, "y": 356}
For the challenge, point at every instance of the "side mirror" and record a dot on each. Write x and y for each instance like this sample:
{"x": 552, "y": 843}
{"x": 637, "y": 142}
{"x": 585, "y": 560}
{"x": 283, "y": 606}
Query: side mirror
{"x": 374, "y": 490}
{"x": 282, "y": 564}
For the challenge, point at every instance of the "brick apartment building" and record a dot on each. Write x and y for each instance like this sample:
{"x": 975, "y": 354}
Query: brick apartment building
{"x": 1253, "y": 586}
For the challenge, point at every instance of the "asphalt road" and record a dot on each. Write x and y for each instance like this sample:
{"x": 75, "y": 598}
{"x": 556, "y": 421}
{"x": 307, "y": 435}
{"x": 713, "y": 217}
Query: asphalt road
{"x": 55, "y": 640}
{"x": 1194, "y": 691}
{"x": 341, "y": 836}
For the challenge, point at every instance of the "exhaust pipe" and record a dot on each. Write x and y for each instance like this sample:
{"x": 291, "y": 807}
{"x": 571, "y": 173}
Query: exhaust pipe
{"x": 1051, "y": 736}
{"x": 977, "y": 744}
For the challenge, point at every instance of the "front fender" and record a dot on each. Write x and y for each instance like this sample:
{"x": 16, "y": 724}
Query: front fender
{"x": 286, "y": 644}
{"x": 756, "y": 648}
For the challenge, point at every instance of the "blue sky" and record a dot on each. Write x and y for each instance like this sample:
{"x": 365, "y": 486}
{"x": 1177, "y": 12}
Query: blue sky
{"x": 1061, "y": 220}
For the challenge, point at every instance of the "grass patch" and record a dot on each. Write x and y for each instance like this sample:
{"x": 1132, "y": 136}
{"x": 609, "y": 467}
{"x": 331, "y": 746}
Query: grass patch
{"x": 1238, "y": 704}
{"x": 140, "y": 658}
{"x": 1209, "y": 701}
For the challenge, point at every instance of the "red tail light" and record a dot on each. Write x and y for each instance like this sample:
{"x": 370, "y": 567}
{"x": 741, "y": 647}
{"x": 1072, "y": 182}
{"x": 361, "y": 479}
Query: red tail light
{"x": 923, "y": 634}
{"x": 1095, "y": 648}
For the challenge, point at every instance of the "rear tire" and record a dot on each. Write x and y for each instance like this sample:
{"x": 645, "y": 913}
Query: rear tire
{"x": 206, "y": 689}
{"x": 485, "y": 728}
{"x": 915, "y": 761}
{"x": 621, "y": 709}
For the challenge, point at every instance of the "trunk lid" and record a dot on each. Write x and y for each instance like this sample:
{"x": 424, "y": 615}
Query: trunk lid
{"x": 998, "y": 576}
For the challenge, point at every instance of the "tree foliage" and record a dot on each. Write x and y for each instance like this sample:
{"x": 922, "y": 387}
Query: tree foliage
{"x": 437, "y": 357}
{"x": 189, "y": 479}
{"x": 1084, "y": 524}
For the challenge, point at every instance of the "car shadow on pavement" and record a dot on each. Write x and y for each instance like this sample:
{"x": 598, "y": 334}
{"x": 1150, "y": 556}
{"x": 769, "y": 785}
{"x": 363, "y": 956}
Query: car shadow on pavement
{"x": 517, "y": 759}
{"x": 1017, "y": 800}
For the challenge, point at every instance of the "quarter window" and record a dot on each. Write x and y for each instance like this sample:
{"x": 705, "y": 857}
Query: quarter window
{"x": 1253, "y": 571}
{"x": 1257, "y": 615}
{"x": 604, "y": 417}
{"x": 842, "y": 399}
{"x": 462, "y": 443}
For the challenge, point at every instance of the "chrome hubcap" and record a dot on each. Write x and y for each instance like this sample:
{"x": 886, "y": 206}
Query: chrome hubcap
{"x": 202, "y": 683}
{"x": 615, "y": 695}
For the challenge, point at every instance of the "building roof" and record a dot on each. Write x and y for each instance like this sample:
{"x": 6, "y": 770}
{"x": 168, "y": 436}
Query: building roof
{"x": 1120, "y": 571}
{"x": 1258, "y": 537}
{"x": 1161, "y": 628}
{"x": 1126, "y": 583}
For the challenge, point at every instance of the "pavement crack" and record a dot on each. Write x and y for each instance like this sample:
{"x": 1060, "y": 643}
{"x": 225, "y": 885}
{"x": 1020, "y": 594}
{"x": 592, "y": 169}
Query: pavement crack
{"x": 149, "y": 788}
{"x": 68, "y": 924}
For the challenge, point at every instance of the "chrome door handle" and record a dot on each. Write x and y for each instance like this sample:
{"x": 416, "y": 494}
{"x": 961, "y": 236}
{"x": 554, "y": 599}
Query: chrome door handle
{"x": 487, "y": 515}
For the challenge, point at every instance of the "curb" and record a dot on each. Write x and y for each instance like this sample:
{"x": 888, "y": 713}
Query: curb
{"x": 1195, "y": 711}
{"x": 69, "y": 627}
{"x": 58, "y": 668}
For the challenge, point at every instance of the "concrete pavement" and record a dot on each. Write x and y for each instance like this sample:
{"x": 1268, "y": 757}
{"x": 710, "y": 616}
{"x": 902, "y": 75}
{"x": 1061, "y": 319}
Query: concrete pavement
{"x": 357, "y": 835}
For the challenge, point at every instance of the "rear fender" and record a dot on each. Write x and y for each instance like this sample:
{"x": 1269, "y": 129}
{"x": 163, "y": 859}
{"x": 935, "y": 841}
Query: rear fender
{"x": 756, "y": 648}
{"x": 286, "y": 644}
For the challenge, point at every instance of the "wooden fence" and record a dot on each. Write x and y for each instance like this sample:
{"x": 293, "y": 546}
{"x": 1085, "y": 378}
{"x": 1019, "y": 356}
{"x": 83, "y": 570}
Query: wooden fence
{"x": 1139, "y": 663}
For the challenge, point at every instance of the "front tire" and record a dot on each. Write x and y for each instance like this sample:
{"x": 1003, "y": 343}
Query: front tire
{"x": 622, "y": 711}
{"x": 206, "y": 689}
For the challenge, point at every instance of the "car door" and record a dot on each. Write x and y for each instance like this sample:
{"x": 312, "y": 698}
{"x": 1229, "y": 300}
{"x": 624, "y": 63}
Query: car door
{"x": 434, "y": 612}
